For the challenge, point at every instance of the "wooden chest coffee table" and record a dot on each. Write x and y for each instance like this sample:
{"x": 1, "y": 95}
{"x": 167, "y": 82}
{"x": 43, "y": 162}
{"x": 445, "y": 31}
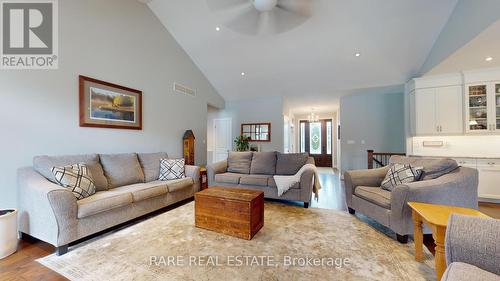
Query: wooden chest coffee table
{"x": 232, "y": 211}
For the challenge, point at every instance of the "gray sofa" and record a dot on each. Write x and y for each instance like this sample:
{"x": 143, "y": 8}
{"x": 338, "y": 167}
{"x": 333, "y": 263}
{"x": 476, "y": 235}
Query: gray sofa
{"x": 443, "y": 182}
{"x": 126, "y": 185}
{"x": 255, "y": 170}
{"x": 472, "y": 249}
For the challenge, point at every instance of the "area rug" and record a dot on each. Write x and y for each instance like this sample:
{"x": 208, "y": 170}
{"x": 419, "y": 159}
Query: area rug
{"x": 294, "y": 244}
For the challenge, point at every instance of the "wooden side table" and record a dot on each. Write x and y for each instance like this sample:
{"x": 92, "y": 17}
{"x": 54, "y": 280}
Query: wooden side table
{"x": 436, "y": 217}
{"x": 203, "y": 179}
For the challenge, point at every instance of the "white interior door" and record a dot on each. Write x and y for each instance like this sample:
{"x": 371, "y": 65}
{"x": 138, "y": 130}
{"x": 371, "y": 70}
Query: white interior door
{"x": 222, "y": 139}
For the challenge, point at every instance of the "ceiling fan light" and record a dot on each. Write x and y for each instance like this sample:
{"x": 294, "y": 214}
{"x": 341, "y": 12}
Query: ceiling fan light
{"x": 264, "y": 5}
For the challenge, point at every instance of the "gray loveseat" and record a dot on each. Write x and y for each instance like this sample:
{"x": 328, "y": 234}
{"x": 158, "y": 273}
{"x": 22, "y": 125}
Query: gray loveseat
{"x": 472, "y": 249}
{"x": 255, "y": 170}
{"x": 443, "y": 182}
{"x": 126, "y": 185}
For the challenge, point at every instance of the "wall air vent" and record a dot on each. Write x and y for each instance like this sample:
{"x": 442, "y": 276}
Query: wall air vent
{"x": 181, "y": 89}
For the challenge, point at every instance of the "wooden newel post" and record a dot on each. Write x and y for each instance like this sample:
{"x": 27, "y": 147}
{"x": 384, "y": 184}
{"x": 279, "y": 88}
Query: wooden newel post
{"x": 188, "y": 147}
{"x": 370, "y": 158}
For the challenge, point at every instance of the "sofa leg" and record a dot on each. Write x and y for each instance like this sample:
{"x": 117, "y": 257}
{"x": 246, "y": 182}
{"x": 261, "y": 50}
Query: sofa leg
{"x": 351, "y": 210}
{"x": 403, "y": 239}
{"x": 61, "y": 250}
{"x": 306, "y": 205}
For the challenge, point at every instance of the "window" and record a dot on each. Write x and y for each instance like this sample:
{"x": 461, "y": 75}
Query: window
{"x": 302, "y": 137}
{"x": 315, "y": 138}
{"x": 329, "y": 137}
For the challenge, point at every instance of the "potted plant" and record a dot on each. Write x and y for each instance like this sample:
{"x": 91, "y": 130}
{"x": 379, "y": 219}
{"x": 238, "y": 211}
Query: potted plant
{"x": 242, "y": 143}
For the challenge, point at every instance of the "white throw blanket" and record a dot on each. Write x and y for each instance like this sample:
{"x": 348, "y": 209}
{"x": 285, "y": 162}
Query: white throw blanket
{"x": 284, "y": 183}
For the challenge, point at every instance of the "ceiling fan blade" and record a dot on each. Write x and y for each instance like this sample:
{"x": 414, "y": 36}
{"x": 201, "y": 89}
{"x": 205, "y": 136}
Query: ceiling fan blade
{"x": 299, "y": 7}
{"x": 220, "y": 5}
{"x": 286, "y": 20}
{"x": 246, "y": 21}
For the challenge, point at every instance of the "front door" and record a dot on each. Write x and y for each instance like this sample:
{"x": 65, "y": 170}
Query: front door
{"x": 316, "y": 139}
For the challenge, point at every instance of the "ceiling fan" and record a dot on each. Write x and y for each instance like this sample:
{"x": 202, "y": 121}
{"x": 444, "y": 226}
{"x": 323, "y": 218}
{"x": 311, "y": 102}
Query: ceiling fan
{"x": 257, "y": 17}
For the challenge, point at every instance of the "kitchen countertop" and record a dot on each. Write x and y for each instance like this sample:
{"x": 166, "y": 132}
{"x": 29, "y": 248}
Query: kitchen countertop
{"x": 465, "y": 157}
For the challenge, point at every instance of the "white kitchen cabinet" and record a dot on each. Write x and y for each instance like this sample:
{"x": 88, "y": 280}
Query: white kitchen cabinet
{"x": 489, "y": 178}
{"x": 425, "y": 112}
{"x": 438, "y": 111}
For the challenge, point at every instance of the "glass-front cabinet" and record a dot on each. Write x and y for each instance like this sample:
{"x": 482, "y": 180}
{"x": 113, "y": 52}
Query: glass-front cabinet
{"x": 483, "y": 107}
{"x": 497, "y": 106}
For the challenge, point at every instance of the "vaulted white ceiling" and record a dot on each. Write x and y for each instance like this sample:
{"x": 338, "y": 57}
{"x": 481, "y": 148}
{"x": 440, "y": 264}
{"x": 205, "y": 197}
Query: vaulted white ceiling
{"x": 316, "y": 58}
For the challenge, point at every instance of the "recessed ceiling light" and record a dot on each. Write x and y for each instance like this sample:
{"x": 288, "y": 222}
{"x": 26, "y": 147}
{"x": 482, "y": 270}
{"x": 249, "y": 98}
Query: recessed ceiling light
{"x": 488, "y": 59}
{"x": 243, "y": 74}
{"x": 357, "y": 54}
{"x": 217, "y": 28}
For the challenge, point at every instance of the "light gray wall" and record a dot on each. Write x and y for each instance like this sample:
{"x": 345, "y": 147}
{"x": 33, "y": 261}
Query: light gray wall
{"x": 468, "y": 19}
{"x": 376, "y": 119}
{"x": 258, "y": 110}
{"x": 119, "y": 41}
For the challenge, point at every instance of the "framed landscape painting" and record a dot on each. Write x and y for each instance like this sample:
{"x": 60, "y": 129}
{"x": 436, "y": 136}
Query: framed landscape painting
{"x": 107, "y": 105}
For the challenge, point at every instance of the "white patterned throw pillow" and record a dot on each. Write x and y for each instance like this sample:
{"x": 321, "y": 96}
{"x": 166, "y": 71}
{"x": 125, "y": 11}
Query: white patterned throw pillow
{"x": 77, "y": 178}
{"x": 400, "y": 174}
{"x": 171, "y": 169}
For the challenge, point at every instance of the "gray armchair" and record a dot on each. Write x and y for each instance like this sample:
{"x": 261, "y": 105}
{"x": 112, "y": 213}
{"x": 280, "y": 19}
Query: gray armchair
{"x": 472, "y": 249}
{"x": 443, "y": 183}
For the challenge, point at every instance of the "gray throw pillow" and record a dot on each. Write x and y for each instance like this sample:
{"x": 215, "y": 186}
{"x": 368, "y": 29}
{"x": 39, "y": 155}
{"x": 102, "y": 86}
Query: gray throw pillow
{"x": 43, "y": 164}
{"x": 290, "y": 163}
{"x": 239, "y": 162}
{"x": 263, "y": 163}
{"x": 150, "y": 163}
{"x": 432, "y": 168}
{"x": 122, "y": 169}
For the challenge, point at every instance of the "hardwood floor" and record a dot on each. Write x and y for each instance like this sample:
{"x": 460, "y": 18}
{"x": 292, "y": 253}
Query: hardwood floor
{"x": 22, "y": 264}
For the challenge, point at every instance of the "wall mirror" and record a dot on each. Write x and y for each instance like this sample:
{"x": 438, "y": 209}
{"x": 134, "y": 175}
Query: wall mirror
{"x": 257, "y": 131}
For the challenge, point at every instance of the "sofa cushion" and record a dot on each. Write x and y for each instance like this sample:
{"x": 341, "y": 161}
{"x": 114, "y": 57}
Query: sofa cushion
{"x": 44, "y": 164}
{"x": 239, "y": 162}
{"x": 432, "y": 168}
{"x": 76, "y": 178}
{"x": 459, "y": 271}
{"x": 260, "y": 180}
{"x": 272, "y": 183}
{"x": 228, "y": 178}
{"x": 178, "y": 184}
{"x": 263, "y": 163}
{"x": 142, "y": 191}
{"x": 103, "y": 201}
{"x": 290, "y": 163}
{"x": 150, "y": 163}
{"x": 376, "y": 195}
{"x": 121, "y": 169}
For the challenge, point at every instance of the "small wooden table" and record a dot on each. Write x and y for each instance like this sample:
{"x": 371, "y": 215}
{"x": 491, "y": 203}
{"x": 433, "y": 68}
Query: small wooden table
{"x": 436, "y": 217}
{"x": 203, "y": 179}
{"x": 232, "y": 211}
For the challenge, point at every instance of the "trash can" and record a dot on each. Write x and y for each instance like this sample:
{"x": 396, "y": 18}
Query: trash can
{"x": 8, "y": 232}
